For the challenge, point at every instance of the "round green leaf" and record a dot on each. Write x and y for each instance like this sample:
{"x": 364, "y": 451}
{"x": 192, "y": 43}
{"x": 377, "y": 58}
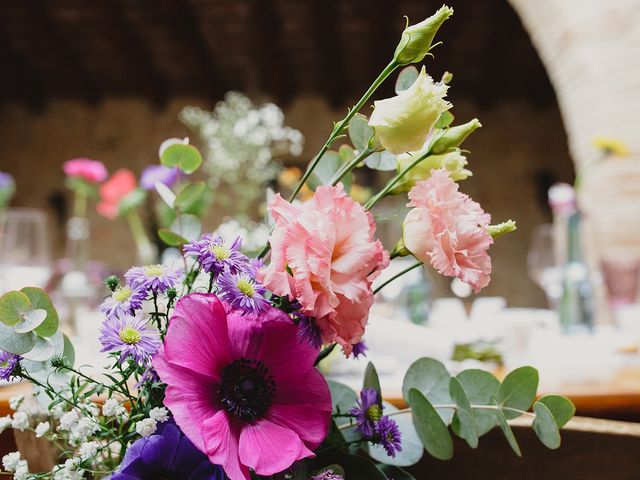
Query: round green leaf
{"x": 545, "y": 426}
{"x": 343, "y": 398}
{"x": 189, "y": 195}
{"x": 464, "y": 422}
{"x": 518, "y": 390}
{"x": 383, "y": 161}
{"x": 187, "y": 226}
{"x": 359, "y": 131}
{"x": 165, "y": 193}
{"x": 185, "y": 157}
{"x": 170, "y": 238}
{"x": 18, "y": 343}
{"x": 481, "y": 387}
{"x": 12, "y": 306}
{"x": 327, "y": 167}
{"x": 560, "y": 407}
{"x": 406, "y": 78}
{"x": 432, "y": 431}
{"x": 431, "y": 378}
{"x": 43, "y": 349}
{"x": 30, "y": 320}
{"x": 412, "y": 449}
{"x": 41, "y": 300}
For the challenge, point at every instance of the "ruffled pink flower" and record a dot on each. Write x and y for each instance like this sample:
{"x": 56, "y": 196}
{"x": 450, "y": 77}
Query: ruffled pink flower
{"x": 243, "y": 388}
{"x": 448, "y": 229}
{"x": 92, "y": 171}
{"x": 121, "y": 183}
{"x": 327, "y": 244}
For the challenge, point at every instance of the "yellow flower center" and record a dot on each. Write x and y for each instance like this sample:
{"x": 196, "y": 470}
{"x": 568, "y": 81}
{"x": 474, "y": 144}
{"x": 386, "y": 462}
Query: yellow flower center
{"x": 221, "y": 252}
{"x": 153, "y": 270}
{"x": 374, "y": 413}
{"x": 246, "y": 287}
{"x": 122, "y": 294}
{"x": 130, "y": 335}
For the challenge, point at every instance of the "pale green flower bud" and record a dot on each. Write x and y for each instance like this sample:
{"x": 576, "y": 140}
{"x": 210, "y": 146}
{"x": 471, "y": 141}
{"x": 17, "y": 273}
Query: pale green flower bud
{"x": 498, "y": 230}
{"x": 416, "y": 39}
{"x": 454, "y": 136}
{"x": 454, "y": 162}
{"x": 402, "y": 123}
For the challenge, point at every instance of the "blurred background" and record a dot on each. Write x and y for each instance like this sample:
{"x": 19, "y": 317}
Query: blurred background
{"x": 555, "y": 83}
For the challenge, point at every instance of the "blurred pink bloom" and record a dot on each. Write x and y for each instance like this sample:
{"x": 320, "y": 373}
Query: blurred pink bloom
{"x": 448, "y": 229}
{"x": 121, "y": 183}
{"x": 327, "y": 244}
{"x": 92, "y": 171}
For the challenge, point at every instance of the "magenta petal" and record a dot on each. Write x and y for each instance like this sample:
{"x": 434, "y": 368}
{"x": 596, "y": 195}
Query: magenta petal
{"x": 221, "y": 446}
{"x": 199, "y": 327}
{"x": 308, "y": 421}
{"x": 269, "y": 448}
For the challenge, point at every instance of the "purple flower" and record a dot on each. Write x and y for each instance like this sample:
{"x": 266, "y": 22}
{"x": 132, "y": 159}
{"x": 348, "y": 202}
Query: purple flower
{"x": 149, "y": 376}
{"x": 327, "y": 475}
{"x": 307, "y": 330}
{"x": 253, "y": 266}
{"x": 125, "y": 300}
{"x": 215, "y": 255}
{"x": 132, "y": 336}
{"x": 6, "y": 181}
{"x": 154, "y": 278}
{"x": 360, "y": 348}
{"x": 8, "y": 363}
{"x": 166, "y": 454}
{"x": 367, "y": 413}
{"x": 388, "y": 435}
{"x": 243, "y": 292}
{"x": 159, "y": 173}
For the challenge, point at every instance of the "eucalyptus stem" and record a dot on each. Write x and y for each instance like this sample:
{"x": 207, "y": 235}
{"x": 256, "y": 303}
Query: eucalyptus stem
{"x": 351, "y": 165}
{"x": 80, "y": 203}
{"x": 397, "y": 275}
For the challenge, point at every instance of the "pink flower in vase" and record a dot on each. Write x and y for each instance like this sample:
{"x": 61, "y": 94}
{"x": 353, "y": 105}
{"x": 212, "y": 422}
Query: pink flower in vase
{"x": 242, "y": 387}
{"x": 121, "y": 183}
{"x": 449, "y": 230}
{"x": 324, "y": 255}
{"x": 93, "y": 171}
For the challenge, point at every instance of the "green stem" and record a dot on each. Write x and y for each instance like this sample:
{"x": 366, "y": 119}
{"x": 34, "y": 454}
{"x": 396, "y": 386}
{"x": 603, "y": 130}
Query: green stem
{"x": 397, "y": 275}
{"x": 351, "y": 165}
{"x": 80, "y": 203}
{"x": 139, "y": 235}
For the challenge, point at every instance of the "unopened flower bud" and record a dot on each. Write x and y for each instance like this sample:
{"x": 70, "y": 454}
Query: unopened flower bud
{"x": 454, "y": 162}
{"x": 112, "y": 282}
{"x": 447, "y": 78}
{"x": 454, "y": 136}
{"x": 416, "y": 39}
{"x": 498, "y": 230}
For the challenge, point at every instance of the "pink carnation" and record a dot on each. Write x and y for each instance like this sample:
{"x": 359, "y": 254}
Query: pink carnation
{"x": 92, "y": 171}
{"x": 325, "y": 256}
{"x": 243, "y": 389}
{"x": 121, "y": 183}
{"x": 448, "y": 229}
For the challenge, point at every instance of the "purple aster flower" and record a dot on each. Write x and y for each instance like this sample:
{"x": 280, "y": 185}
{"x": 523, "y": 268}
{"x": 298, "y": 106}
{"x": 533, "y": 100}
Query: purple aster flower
{"x": 154, "y": 278}
{"x": 149, "y": 376}
{"x": 243, "y": 292}
{"x": 8, "y": 363}
{"x": 367, "y": 413}
{"x": 159, "y": 173}
{"x": 327, "y": 475}
{"x": 215, "y": 255}
{"x": 125, "y": 300}
{"x": 253, "y": 266}
{"x": 166, "y": 454}
{"x": 360, "y": 348}
{"x": 307, "y": 330}
{"x": 132, "y": 336}
{"x": 388, "y": 435}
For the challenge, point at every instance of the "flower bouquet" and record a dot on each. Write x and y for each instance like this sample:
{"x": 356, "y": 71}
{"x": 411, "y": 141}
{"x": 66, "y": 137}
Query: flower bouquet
{"x": 213, "y": 359}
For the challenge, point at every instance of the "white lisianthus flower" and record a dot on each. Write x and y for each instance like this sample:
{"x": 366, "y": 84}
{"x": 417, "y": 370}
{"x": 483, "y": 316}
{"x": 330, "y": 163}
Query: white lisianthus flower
{"x": 20, "y": 421}
{"x": 16, "y": 401}
{"x": 5, "y": 422}
{"x": 42, "y": 428}
{"x": 402, "y": 123}
{"x": 88, "y": 450}
{"x": 10, "y": 461}
{"x": 146, "y": 427}
{"x": 159, "y": 414}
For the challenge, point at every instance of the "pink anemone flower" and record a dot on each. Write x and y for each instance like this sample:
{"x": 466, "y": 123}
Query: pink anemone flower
{"x": 121, "y": 183}
{"x": 242, "y": 387}
{"x": 93, "y": 171}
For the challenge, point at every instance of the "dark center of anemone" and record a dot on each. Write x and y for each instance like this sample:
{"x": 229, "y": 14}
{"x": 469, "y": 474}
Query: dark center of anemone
{"x": 246, "y": 389}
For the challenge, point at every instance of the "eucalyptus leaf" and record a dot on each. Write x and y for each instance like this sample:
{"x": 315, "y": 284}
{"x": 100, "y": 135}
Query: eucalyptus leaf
{"x": 17, "y": 343}
{"x": 464, "y": 422}
{"x": 560, "y": 407}
{"x": 165, "y": 193}
{"x": 170, "y": 238}
{"x": 68, "y": 351}
{"x": 187, "y": 226}
{"x": 432, "y": 431}
{"x": 431, "y": 378}
{"x": 131, "y": 200}
{"x": 383, "y": 161}
{"x": 40, "y": 299}
{"x": 43, "y": 350}
{"x": 480, "y": 387}
{"x": 346, "y": 153}
{"x": 324, "y": 172}
{"x": 189, "y": 195}
{"x": 360, "y": 132}
{"x": 412, "y": 449}
{"x": 545, "y": 426}
{"x": 395, "y": 473}
{"x": 506, "y": 430}
{"x": 186, "y": 157}
{"x": 343, "y": 397}
{"x": 30, "y": 320}
{"x": 12, "y": 306}
{"x": 406, "y": 78}
{"x": 371, "y": 380}
{"x": 518, "y": 390}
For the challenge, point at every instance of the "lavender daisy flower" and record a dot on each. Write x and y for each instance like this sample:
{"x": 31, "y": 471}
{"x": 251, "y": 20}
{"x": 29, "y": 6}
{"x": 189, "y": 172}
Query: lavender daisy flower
{"x": 360, "y": 348}
{"x": 125, "y": 300}
{"x": 388, "y": 435}
{"x": 159, "y": 173}
{"x": 132, "y": 336}
{"x": 8, "y": 364}
{"x": 307, "y": 330}
{"x": 154, "y": 278}
{"x": 215, "y": 255}
{"x": 327, "y": 475}
{"x": 367, "y": 413}
{"x": 243, "y": 292}
{"x": 149, "y": 376}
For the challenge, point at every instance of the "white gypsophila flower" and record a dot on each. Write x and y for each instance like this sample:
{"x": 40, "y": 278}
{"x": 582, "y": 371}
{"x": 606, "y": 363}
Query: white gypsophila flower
{"x": 20, "y": 421}
{"x": 5, "y": 422}
{"x": 82, "y": 430}
{"x": 60, "y": 472}
{"x": 58, "y": 411}
{"x": 68, "y": 421}
{"x": 88, "y": 450}
{"x": 16, "y": 401}
{"x": 92, "y": 408}
{"x": 159, "y": 414}
{"x": 22, "y": 471}
{"x": 42, "y": 429}
{"x": 112, "y": 408}
{"x": 146, "y": 427}
{"x": 10, "y": 461}
{"x": 72, "y": 464}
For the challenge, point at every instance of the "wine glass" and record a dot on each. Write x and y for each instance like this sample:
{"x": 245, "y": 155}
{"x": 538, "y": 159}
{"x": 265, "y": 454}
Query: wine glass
{"x": 543, "y": 264}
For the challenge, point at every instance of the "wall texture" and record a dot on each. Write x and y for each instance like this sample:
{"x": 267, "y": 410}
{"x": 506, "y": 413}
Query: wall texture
{"x": 518, "y": 144}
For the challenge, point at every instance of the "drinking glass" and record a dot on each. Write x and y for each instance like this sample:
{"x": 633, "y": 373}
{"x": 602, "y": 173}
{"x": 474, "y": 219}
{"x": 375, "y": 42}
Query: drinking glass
{"x": 543, "y": 264}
